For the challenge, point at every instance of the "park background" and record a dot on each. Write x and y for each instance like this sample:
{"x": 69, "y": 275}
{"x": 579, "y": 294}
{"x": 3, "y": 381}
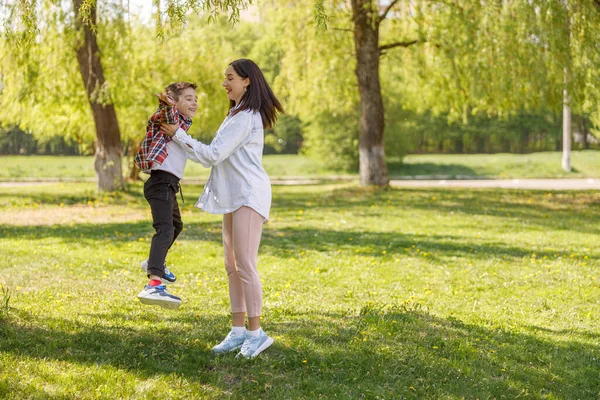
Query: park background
{"x": 371, "y": 290}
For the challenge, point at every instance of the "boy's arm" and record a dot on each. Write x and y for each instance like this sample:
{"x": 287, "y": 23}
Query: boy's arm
{"x": 166, "y": 112}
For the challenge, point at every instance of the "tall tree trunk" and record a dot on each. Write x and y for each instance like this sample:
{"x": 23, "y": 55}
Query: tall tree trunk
{"x": 373, "y": 169}
{"x": 107, "y": 160}
{"x": 566, "y": 158}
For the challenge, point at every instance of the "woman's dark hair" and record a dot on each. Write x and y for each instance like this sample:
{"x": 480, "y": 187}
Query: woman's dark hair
{"x": 258, "y": 95}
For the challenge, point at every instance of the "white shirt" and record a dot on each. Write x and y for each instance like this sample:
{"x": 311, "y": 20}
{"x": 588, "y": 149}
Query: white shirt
{"x": 237, "y": 177}
{"x": 175, "y": 161}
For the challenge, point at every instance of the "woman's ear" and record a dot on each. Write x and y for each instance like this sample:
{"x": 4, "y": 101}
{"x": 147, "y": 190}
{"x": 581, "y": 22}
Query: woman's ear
{"x": 246, "y": 82}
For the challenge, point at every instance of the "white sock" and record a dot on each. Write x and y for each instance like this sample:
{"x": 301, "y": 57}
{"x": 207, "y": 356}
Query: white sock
{"x": 255, "y": 333}
{"x": 238, "y": 330}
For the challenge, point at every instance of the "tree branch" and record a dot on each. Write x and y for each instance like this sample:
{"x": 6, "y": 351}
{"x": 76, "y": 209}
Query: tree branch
{"x": 387, "y": 9}
{"x": 349, "y": 30}
{"x": 397, "y": 44}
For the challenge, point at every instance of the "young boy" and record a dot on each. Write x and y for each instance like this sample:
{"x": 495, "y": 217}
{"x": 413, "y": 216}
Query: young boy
{"x": 165, "y": 161}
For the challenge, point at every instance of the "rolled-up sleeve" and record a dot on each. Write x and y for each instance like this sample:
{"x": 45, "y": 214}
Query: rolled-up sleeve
{"x": 227, "y": 140}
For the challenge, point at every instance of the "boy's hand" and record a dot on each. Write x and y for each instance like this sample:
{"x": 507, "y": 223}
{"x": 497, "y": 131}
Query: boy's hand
{"x": 169, "y": 129}
{"x": 163, "y": 98}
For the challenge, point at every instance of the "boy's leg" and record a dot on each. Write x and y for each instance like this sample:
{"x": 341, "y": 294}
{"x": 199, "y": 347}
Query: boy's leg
{"x": 160, "y": 196}
{"x": 177, "y": 222}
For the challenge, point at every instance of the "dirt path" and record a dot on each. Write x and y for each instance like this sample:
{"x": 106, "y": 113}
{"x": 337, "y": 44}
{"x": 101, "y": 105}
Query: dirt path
{"x": 535, "y": 184}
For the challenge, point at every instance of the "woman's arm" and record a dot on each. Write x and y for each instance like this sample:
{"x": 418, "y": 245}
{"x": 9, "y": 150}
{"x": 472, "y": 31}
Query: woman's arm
{"x": 228, "y": 139}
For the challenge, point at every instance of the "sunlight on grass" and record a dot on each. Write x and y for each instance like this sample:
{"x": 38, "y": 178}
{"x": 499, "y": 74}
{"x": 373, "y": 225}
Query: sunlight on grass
{"x": 394, "y": 293}
{"x": 586, "y": 164}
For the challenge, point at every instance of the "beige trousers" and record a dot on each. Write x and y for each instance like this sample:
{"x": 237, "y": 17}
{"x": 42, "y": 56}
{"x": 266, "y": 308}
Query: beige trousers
{"x": 242, "y": 230}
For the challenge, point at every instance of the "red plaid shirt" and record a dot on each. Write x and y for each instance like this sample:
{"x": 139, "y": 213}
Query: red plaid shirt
{"x": 154, "y": 147}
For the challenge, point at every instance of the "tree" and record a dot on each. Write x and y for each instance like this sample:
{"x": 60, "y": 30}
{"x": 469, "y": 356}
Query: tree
{"x": 107, "y": 158}
{"x": 366, "y": 18}
{"x": 28, "y": 17}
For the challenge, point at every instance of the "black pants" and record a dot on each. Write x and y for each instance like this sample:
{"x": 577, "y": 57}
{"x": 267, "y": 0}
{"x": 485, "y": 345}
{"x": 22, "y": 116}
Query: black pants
{"x": 161, "y": 193}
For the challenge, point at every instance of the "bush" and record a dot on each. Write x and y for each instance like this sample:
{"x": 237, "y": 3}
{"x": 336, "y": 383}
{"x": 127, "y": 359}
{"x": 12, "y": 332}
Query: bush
{"x": 15, "y": 141}
{"x": 332, "y": 140}
{"x": 286, "y": 137}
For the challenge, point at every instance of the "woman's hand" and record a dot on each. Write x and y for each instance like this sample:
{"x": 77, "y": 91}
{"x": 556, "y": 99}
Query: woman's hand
{"x": 169, "y": 129}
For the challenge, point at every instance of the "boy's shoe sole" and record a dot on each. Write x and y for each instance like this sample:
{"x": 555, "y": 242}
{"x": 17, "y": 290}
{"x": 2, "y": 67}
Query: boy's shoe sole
{"x": 169, "y": 305}
{"x": 163, "y": 301}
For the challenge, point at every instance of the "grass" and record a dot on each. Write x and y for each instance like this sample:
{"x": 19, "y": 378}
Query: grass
{"x": 82, "y": 167}
{"x": 586, "y": 164}
{"x": 396, "y": 293}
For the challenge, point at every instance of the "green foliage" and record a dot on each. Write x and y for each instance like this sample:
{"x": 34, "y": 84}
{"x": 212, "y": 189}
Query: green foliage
{"x": 315, "y": 80}
{"x": 286, "y": 137}
{"x": 15, "y": 141}
{"x": 476, "y": 70}
{"x": 332, "y": 140}
{"x": 409, "y": 132}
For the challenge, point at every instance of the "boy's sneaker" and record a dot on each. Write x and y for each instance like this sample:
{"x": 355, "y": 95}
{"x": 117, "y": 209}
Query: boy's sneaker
{"x": 254, "y": 345}
{"x": 169, "y": 277}
{"x": 230, "y": 343}
{"x": 158, "y": 295}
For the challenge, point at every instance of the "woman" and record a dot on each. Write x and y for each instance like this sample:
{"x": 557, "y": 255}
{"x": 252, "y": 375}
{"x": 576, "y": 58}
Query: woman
{"x": 239, "y": 188}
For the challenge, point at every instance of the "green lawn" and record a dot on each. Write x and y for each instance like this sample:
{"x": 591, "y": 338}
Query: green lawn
{"x": 586, "y": 164}
{"x": 75, "y": 167}
{"x": 395, "y": 293}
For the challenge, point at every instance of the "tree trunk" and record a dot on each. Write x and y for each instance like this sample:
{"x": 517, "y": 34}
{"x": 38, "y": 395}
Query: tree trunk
{"x": 373, "y": 169}
{"x": 566, "y": 159}
{"x": 134, "y": 173}
{"x": 107, "y": 160}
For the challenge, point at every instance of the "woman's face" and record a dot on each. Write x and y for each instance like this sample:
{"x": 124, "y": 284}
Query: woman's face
{"x": 234, "y": 84}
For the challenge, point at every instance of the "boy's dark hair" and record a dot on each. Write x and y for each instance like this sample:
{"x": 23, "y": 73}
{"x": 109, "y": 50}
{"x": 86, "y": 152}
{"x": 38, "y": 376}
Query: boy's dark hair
{"x": 175, "y": 89}
{"x": 259, "y": 96}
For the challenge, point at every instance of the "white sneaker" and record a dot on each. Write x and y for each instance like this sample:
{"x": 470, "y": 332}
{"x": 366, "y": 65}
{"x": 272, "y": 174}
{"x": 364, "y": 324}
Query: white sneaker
{"x": 158, "y": 296}
{"x": 254, "y": 345}
{"x": 230, "y": 343}
{"x": 167, "y": 278}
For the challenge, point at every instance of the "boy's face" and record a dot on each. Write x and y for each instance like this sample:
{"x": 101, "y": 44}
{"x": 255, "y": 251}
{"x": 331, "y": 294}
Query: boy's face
{"x": 188, "y": 102}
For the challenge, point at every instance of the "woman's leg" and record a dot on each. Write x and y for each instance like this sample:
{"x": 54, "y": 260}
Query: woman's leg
{"x": 236, "y": 289}
{"x": 246, "y": 232}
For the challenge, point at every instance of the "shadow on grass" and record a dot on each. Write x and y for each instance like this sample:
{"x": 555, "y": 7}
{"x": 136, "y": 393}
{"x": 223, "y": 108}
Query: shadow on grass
{"x": 567, "y": 210}
{"x": 578, "y": 211}
{"x": 288, "y": 242}
{"x": 379, "y": 352}
{"x": 398, "y": 168}
{"x": 114, "y": 232}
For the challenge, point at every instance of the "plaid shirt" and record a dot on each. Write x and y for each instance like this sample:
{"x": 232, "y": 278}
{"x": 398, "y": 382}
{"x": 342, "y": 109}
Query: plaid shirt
{"x": 154, "y": 147}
